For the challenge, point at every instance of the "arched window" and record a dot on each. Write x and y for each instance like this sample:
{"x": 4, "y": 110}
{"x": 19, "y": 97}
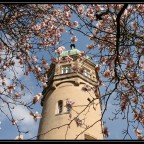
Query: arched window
{"x": 60, "y": 106}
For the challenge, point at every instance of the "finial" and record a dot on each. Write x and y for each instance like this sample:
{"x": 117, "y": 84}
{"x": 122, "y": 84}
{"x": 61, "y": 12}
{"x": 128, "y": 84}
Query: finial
{"x": 72, "y": 46}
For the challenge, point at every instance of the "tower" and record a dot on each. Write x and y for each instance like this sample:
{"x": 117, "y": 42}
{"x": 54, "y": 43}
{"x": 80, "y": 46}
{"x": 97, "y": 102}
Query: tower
{"x": 71, "y": 102}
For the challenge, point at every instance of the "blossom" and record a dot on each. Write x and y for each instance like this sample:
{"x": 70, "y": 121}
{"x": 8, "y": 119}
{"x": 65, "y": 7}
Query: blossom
{"x": 74, "y": 39}
{"x": 140, "y": 137}
{"x": 106, "y": 132}
{"x": 78, "y": 121}
{"x": 86, "y": 88}
{"x": 133, "y": 25}
{"x": 103, "y": 59}
{"x": 1, "y": 46}
{"x": 69, "y": 59}
{"x": 69, "y": 103}
{"x": 60, "y": 49}
{"x": 22, "y": 87}
{"x": 58, "y": 35}
{"x": 38, "y": 68}
{"x": 81, "y": 9}
{"x": 17, "y": 95}
{"x": 34, "y": 58}
{"x": 75, "y": 23}
{"x": 36, "y": 28}
{"x": 44, "y": 85}
{"x": 4, "y": 67}
{"x": 21, "y": 62}
{"x": 98, "y": 67}
{"x": 35, "y": 115}
{"x": 20, "y": 137}
{"x": 54, "y": 60}
{"x": 135, "y": 100}
{"x": 91, "y": 46}
{"x": 14, "y": 122}
{"x": 107, "y": 73}
{"x": 43, "y": 24}
{"x": 37, "y": 98}
{"x": 137, "y": 132}
{"x": 142, "y": 88}
{"x": 3, "y": 83}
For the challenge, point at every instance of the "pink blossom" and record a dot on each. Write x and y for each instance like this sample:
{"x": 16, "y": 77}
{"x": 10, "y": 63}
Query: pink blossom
{"x": 129, "y": 8}
{"x": 38, "y": 68}
{"x": 86, "y": 88}
{"x": 78, "y": 122}
{"x": 4, "y": 67}
{"x": 3, "y": 83}
{"x": 36, "y": 27}
{"x": 17, "y": 95}
{"x": 126, "y": 13}
{"x": 69, "y": 103}
{"x": 37, "y": 98}
{"x": 140, "y": 137}
{"x": 75, "y": 23}
{"x": 10, "y": 89}
{"x": 69, "y": 59}
{"x": 99, "y": 25}
{"x": 66, "y": 8}
{"x": 135, "y": 100}
{"x": 142, "y": 88}
{"x": 44, "y": 62}
{"x": 20, "y": 137}
{"x": 106, "y": 132}
{"x": 43, "y": 24}
{"x": 81, "y": 9}
{"x": 54, "y": 60}
{"x": 61, "y": 29}
{"x": 133, "y": 25}
{"x": 70, "y": 24}
{"x": 81, "y": 70}
{"x": 21, "y": 62}
{"x": 1, "y": 47}
{"x": 91, "y": 46}
{"x": 137, "y": 131}
{"x": 83, "y": 53}
{"x": 44, "y": 85}
{"x": 75, "y": 68}
{"x": 103, "y": 60}
{"x": 58, "y": 35}
{"x": 54, "y": 43}
{"x": 74, "y": 39}
{"x": 34, "y": 58}
{"x": 98, "y": 67}
{"x": 14, "y": 122}
{"x": 107, "y": 73}
{"x": 35, "y": 115}
{"x": 46, "y": 67}
{"x": 60, "y": 49}
{"x": 90, "y": 10}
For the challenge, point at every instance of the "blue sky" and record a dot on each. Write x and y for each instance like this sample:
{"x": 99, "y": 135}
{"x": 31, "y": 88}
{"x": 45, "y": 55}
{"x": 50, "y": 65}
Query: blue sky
{"x": 8, "y": 131}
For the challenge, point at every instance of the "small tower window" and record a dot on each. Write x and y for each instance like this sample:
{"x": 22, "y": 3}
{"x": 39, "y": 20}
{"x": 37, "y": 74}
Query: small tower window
{"x": 60, "y": 106}
{"x": 66, "y": 69}
{"x": 86, "y": 73}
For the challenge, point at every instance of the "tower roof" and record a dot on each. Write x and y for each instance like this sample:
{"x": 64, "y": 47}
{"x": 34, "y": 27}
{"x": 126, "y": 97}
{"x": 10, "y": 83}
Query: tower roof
{"x": 72, "y": 52}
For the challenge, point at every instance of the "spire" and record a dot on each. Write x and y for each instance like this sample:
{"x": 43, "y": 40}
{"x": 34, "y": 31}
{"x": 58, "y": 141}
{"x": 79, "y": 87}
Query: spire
{"x": 72, "y": 46}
